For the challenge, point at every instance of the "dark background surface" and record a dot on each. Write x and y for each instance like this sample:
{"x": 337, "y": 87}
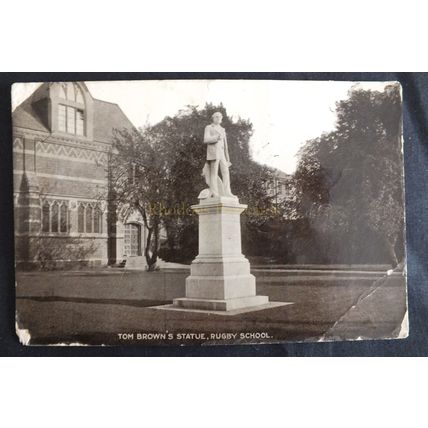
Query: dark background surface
{"x": 415, "y": 93}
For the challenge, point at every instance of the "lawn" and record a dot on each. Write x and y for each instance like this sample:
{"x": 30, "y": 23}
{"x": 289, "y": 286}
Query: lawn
{"x": 117, "y": 307}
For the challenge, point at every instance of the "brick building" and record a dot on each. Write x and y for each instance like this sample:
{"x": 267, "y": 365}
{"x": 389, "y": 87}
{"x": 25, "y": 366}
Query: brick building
{"x": 282, "y": 186}
{"x": 63, "y": 211}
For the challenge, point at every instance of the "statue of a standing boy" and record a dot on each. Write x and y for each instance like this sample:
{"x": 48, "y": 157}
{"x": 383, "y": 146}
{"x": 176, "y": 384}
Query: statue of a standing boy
{"x": 217, "y": 158}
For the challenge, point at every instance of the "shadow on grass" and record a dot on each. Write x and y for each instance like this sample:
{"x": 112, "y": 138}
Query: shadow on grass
{"x": 126, "y": 302}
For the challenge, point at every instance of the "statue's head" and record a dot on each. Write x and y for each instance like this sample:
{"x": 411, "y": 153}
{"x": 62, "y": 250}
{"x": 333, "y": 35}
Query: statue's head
{"x": 217, "y": 117}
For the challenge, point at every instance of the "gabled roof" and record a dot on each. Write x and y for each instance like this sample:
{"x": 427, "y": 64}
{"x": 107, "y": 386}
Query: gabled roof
{"x": 107, "y": 116}
{"x": 24, "y": 116}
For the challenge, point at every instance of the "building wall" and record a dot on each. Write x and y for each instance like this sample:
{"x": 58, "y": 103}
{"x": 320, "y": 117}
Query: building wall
{"x": 281, "y": 187}
{"x": 49, "y": 170}
{"x": 57, "y": 173}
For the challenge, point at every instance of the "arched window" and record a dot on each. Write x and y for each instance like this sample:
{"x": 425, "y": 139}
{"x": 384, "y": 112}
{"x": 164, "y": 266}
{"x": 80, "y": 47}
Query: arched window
{"x": 54, "y": 217}
{"x": 98, "y": 216}
{"x": 71, "y": 109}
{"x": 71, "y": 120}
{"x": 63, "y": 212}
{"x": 45, "y": 217}
{"x": 81, "y": 219}
{"x": 70, "y": 91}
{"x": 89, "y": 219}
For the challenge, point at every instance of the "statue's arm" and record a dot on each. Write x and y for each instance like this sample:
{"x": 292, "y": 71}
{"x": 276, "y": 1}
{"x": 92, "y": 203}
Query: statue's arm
{"x": 226, "y": 149}
{"x": 209, "y": 138}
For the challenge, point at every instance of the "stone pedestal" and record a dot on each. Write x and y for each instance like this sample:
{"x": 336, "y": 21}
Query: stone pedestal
{"x": 220, "y": 278}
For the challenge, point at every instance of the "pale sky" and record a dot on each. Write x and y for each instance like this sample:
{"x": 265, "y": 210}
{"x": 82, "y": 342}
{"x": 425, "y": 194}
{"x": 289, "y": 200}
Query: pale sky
{"x": 284, "y": 114}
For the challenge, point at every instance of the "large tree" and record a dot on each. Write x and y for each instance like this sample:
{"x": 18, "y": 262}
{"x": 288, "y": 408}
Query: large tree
{"x": 157, "y": 170}
{"x": 350, "y": 180}
{"x": 139, "y": 178}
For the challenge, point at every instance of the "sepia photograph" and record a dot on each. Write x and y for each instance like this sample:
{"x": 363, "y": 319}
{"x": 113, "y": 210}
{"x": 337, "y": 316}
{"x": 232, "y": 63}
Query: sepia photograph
{"x": 190, "y": 188}
{"x": 208, "y": 212}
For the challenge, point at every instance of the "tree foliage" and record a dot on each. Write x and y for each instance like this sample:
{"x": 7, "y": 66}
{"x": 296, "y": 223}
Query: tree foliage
{"x": 138, "y": 174}
{"x": 157, "y": 170}
{"x": 350, "y": 181}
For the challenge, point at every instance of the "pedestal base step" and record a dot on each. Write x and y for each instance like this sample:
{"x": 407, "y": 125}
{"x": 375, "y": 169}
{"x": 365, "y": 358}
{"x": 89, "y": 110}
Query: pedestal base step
{"x": 233, "y": 312}
{"x": 221, "y": 305}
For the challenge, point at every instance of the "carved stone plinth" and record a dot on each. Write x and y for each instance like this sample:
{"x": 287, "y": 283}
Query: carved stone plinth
{"x": 220, "y": 278}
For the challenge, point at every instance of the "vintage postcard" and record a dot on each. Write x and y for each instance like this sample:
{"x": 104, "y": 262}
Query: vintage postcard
{"x": 205, "y": 212}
